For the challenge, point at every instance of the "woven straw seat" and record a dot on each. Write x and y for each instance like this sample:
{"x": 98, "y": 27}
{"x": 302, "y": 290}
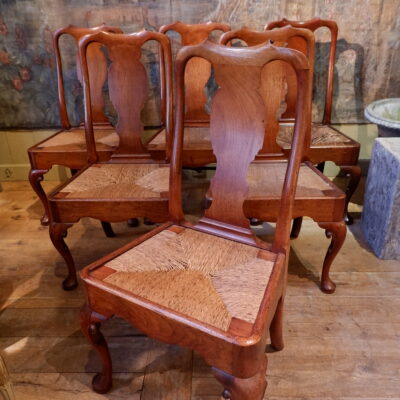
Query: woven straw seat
{"x": 196, "y": 137}
{"x": 266, "y": 179}
{"x": 118, "y": 181}
{"x": 74, "y": 140}
{"x": 202, "y": 276}
{"x": 321, "y": 135}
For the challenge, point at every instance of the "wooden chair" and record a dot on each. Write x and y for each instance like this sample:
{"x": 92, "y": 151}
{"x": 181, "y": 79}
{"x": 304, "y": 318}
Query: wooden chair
{"x": 327, "y": 143}
{"x": 213, "y": 286}
{"x": 130, "y": 184}
{"x": 68, "y": 147}
{"x": 316, "y": 196}
{"x": 197, "y": 148}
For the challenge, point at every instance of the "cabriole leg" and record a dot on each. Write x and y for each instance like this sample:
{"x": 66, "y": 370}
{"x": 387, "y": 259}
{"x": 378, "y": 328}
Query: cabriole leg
{"x": 58, "y": 231}
{"x": 243, "y": 389}
{"x": 35, "y": 179}
{"x": 337, "y": 232}
{"x": 90, "y": 325}
{"x": 354, "y": 173}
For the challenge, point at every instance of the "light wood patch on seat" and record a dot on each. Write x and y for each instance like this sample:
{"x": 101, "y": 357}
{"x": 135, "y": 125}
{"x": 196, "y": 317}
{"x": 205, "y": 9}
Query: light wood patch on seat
{"x": 195, "y": 137}
{"x": 266, "y": 180}
{"x": 321, "y": 135}
{"x": 200, "y": 275}
{"x": 74, "y": 139}
{"x": 104, "y": 181}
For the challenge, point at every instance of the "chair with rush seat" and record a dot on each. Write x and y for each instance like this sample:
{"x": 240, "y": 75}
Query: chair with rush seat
{"x": 68, "y": 146}
{"x": 316, "y": 196}
{"x": 130, "y": 184}
{"x": 197, "y": 149}
{"x": 327, "y": 143}
{"x": 213, "y": 286}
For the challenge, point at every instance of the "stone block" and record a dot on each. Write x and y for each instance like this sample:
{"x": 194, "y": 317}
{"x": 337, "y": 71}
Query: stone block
{"x": 381, "y": 212}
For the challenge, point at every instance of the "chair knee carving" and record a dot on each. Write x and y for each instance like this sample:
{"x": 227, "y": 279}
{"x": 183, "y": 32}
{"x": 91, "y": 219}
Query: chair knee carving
{"x": 212, "y": 286}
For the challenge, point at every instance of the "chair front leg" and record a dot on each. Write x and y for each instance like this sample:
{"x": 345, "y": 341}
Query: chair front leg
{"x": 276, "y": 327}
{"x": 354, "y": 173}
{"x": 133, "y": 222}
{"x": 90, "y": 325}
{"x": 255, "y": 222}
{"x": 58, "y": 231}
{"x": 107, "y": 228}
{"x": 337, "y": 232}
{"x": 243, "y": 389}
{"x": 296, "y": 227}
{"x": 35, "y": 179}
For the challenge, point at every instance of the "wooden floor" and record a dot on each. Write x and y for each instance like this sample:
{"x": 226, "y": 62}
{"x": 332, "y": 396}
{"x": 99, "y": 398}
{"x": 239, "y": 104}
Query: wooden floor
{"x": 341, "y": 346}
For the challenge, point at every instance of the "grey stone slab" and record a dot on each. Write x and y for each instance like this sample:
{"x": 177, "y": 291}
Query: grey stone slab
{"x": 381, "y": 213}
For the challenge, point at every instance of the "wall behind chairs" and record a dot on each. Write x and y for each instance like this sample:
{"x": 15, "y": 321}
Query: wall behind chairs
{"x": 366, "y": 67}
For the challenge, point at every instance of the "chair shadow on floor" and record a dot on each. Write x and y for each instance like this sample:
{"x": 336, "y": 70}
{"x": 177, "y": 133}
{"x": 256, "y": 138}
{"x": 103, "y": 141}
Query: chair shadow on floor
{"x": 297, "y": 267}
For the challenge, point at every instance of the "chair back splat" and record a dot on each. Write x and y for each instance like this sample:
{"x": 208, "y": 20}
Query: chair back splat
{"x": 128, "y": 87}
{"x": 313, "y": 25}
{"x": 97, "y": 65}
{"x": 237, "y": 126}
{"x": 279, "y": 81}
{"x": 198, "y": 70}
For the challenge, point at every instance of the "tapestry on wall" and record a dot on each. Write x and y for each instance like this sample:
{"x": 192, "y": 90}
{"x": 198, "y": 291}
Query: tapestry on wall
{"x": 366, "y": 68}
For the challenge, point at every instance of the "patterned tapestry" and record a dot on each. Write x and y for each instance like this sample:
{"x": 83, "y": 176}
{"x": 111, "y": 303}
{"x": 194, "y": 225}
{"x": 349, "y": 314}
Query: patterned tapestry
{"x": 367, "y": 59}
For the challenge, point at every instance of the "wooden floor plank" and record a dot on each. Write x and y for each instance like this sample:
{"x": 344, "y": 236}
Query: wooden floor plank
{"x": 368, "y": 309}
{"x": 349, "y": 284}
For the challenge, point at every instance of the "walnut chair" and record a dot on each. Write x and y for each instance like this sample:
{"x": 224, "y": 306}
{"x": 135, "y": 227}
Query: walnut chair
{"x": 316, "y": 196}
{"x": 213, "y": 286}
{"x": 130, "y": 184}
{"x": 197, "y": 148}
{"x": 68, "y": 147}
{"x": 327, "y": 143}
